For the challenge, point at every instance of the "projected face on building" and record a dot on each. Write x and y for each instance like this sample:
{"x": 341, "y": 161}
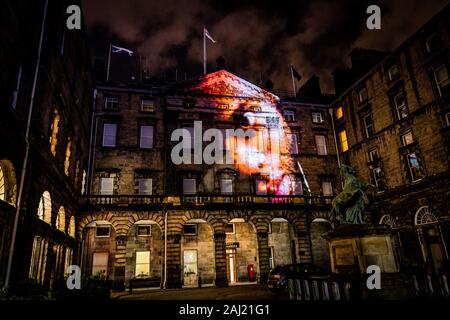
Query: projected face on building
{"x": 260, "y": 145}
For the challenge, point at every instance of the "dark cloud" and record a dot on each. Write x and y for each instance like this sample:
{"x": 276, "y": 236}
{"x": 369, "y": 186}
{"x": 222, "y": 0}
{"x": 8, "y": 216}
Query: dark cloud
{"x": 255, "y": 37}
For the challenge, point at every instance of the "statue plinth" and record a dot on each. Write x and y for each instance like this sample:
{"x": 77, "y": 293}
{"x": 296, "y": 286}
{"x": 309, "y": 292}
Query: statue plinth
{"x": 354, "y": 247}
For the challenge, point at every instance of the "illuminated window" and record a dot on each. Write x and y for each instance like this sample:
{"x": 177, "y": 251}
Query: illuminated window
{"x": 146, "y": 186}
{"x": 38, "y": 259}
{"x": 415, "y": 169}
{"x": 327, "y": 188}
{"x": 261, "y": 187}
{"x": 61, "y": 220}
{"x": 189, "y": 186}
{"x": 362, "y": 94}
{"x": 293, "y": 143}
{"x": 100, "y": 262}
{"x": 142, "y": 264}
{"x": 45, "y": 208}
{"x": 442, "y": 80}
{"x": 226, "y": 186}
{"x": 289, "y": 115}
{"x": 83, "y": 183}
{"x": 106, "y": 186}
{"x": 109, "y": 134}
{"x": 147, "y": 105}
{"x": 67, "y": 158}
{"x": 339, "y": 113}
{"x": 317, "y": 117}
{"x": 407, "y": 138}
{"x": 321, "y": 145}
{"x": 343, "y": 140}
{"x": 393, "y": 72}
{"x": 54, "y": 128}
{"x": 400, "y": 106}
{"x": 72, "y": 227}
{"x": 146, "y": 141}
{"x": 2, "y": 184}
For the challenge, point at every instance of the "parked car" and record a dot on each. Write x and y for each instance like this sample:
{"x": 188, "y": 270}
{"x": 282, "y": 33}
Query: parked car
{"x": 279, "y": 276}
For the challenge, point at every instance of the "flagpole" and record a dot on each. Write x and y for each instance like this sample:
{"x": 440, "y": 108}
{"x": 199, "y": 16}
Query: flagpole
{"x": 204, "y": 51}
{"x": 293, "y": 81}
{"x": 109, "y": 62}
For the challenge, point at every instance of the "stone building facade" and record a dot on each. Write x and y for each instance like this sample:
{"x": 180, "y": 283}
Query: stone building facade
{"x": 392, "y": 125}
{"x": 157, "y": 222}
{"x": 56, "y": 81}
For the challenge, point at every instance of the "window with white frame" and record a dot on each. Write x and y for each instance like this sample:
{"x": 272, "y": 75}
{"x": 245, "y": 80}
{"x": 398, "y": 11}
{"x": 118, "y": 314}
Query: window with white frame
{"x": 111, "y": 103}
{"x": 145, "y": 186}
{"x": 189, "y": 186}
{"x": 393, "y": 72}
{"x": 373, "y": 155}
{"x": 271, "y": 261}
{"x": 147, "y": 105}
{"x": 400, "y": 106}
{"x": 407, "y": 138}
{"x": 261, "y": 187}
{"x": 362, "y": 95}
{"x": 293, "y": 143}
{"x": 229, "y": 229}
{"x": 109, "y": 134}
{"x": 378, "y": 178}
{"x": 289, "y": 115}
{"x": 146, "y": 139}
{"x": 442, "y": 79}
{"x": 321, "y": 145}
{"x": 447, "y": 118}
{"x": 226, "y": 186}
{"x": 368, "y": 124}
{"x": 327, "y": 188}
{"x": 142, "y": 264}
{"x": 415, "y": 169}
{"x": 100, "y": 262}
{"x": 317, "y": 117}
{"x": 106, "y": 186}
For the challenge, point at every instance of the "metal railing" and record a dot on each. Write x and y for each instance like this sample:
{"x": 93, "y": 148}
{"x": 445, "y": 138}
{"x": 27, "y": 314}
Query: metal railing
{"x": 126, "y": 200}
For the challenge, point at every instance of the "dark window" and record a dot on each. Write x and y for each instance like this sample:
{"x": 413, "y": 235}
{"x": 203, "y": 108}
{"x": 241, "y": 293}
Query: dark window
{"x": 362, "y": 95}
{"x": 373, "y": 155}
{"x": 289, "y": 115}
{"x": 432, "y": 43}
{"x": 144, "y": 230}
{"x": 111, "y": 103}
{"x": 102, "y": 231}
{"x": 400, "y": 106}
{"x": 442, "y": 80}
{"x": 393, "y": 72}
{"x": 229, "y": 228}
{"x": 378, "y": 178}
{"x": 368, "y": 124}
{"x": 317, "y": 117}
{"x": 190, "y": 229}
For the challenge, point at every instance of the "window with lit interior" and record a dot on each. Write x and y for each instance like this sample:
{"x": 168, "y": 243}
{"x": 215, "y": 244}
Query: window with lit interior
{"x": 54, "y": 128}
{"x": 343, "y": 140}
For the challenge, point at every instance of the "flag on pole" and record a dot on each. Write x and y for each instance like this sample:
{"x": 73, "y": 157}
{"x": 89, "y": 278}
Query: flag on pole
{"x": 295, "y": 74}
{"x": 208, "y": 35}
{"x": 116, "y": 49}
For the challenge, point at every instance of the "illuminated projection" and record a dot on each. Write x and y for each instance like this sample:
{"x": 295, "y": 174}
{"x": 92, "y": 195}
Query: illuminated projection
{"x": 258, "y": 143}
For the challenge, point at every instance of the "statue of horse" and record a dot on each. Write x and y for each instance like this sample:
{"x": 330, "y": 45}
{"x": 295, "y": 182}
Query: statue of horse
{"x": 349, "y": 204}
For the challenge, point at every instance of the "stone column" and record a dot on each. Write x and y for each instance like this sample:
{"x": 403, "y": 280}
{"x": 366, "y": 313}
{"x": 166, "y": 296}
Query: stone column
{"x": 221, "y": 259}
{"x": 263, "y": 253}
{"x": 174, "y": 267}
{"x": 119, "y": 263}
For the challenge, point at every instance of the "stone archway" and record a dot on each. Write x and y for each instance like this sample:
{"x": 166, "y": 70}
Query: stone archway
{"x": 319, "y": 245}
{"x": 282, "y": 243}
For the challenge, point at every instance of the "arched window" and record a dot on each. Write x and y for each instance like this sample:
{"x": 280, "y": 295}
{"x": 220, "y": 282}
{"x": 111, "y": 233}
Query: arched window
{"x": 388, "y": 221}
{"x": 425, "y": 215}
{"x": 54, "y": 132}
{"x": 72, "y": 227}
{"x": 2, "y": 184}
{"x": 45, "y": 208}
{"x": 67, "y": 157}
{"x": 61, "y": 220}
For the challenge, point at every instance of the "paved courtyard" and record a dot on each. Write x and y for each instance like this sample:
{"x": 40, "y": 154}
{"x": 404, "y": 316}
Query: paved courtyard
{"x": 244, "y": 292}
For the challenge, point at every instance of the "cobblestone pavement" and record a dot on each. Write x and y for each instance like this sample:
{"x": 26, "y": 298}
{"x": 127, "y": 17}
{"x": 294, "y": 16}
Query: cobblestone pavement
{"x": 244, "y": 292}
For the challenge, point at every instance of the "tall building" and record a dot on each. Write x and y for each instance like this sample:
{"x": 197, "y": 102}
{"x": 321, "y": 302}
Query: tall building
{"x": 392, "y": 125}
{"x": 180, "y": 196}
{"x": 46, "y": 90}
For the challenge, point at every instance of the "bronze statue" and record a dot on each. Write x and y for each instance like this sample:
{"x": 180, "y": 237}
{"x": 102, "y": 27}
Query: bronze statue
{"x": 349, "y": 204}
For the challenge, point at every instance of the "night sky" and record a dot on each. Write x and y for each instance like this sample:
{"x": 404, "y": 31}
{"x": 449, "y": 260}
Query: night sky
{"x": 255, "y": 37}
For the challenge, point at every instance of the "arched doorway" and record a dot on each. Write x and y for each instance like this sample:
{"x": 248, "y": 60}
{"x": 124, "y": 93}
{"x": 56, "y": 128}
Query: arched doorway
{"x": 319, "y": 245}
{"x": 242, "y": 251}
{"x": 430, "y": 238}
{"x": 198, "y": 256}
{"x": 282, "y": 243}
{"x": 144, "y": 254}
